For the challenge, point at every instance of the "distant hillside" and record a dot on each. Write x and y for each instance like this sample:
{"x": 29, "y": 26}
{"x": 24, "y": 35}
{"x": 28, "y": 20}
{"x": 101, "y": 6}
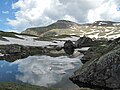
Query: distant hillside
{"x": 60, "y": 24}
{"x": 105, "y": 23}
{"x": 98, "y": 29}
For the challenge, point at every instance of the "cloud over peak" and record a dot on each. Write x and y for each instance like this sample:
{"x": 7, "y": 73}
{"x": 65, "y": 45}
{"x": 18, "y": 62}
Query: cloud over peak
{"x": 33, "y": 13}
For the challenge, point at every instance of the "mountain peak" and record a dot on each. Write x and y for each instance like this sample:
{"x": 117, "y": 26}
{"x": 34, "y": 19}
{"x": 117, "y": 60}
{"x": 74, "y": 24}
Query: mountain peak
{"x": 66, "y": 23}
{"x": 59, "y": 21}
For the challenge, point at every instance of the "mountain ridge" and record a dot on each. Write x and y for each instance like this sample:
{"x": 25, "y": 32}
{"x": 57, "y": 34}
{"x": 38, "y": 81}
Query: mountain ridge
{"x": 64, "y": 27}
{"x": 59, "y": 24}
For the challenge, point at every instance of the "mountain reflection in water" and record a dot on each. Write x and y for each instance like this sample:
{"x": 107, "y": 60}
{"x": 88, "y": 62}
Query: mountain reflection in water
{"x": 41, "y": 70}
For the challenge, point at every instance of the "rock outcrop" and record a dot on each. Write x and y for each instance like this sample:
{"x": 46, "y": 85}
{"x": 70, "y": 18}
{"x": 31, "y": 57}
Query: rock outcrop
{"x": 102, "y": 70}
{"x": 83, "y": 42}
{"x": 13, "y": 52}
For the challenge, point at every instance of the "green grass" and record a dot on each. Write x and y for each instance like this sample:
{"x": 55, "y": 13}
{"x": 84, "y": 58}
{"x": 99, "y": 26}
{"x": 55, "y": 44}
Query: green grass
{"x": 22, "y": 86}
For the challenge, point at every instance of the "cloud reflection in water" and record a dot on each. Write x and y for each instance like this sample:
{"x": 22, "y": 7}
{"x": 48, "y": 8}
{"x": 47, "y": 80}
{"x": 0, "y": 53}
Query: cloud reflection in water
{"x": 45, "y": 70}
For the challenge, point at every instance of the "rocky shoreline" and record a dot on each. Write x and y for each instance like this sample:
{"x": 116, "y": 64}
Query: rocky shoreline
{"x": 12, "y": 52}
{"x": 102, "y": 67}
{"x": 101, "y": 61}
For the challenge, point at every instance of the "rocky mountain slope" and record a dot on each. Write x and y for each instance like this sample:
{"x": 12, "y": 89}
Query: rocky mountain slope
{"x": 60, "y": 24}
{"x": 98, "y": 29}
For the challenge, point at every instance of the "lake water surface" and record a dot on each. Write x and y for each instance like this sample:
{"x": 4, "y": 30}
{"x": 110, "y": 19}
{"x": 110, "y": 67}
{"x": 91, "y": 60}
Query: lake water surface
{"x": 40, "y": 70}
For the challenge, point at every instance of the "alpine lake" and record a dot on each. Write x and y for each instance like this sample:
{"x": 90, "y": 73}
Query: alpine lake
{"x": 42, "y": 70}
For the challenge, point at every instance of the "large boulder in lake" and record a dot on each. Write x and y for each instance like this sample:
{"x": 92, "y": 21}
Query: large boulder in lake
{"x": 83, "y": 42}
{"x": 69, "y": 47}
{"x": 102, "y": 70}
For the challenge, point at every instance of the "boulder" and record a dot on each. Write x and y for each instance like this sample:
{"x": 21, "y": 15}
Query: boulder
{"x": 83, "y": 42}
{"x": 93, "y": 53}
{"x": 102, "y": 71}
{"x": 69, "y": 47}
{"x": 98, "y": 49}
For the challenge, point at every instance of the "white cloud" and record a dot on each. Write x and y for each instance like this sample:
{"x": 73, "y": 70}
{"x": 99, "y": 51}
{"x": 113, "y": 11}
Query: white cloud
{"x": 43, "y": 12}
{"x": 5, "y": 12}
{"x": 107, "y": 11}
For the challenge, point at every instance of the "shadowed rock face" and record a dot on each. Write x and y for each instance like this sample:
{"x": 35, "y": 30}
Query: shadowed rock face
{"x": 102, "y": 71}
{"x": 69, "y": 47}
{"x": 83, "y": 42}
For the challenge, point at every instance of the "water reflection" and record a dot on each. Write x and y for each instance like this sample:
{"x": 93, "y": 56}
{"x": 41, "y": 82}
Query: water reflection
{"x": 42, "y": 70}
{"x": 8, "y": 72}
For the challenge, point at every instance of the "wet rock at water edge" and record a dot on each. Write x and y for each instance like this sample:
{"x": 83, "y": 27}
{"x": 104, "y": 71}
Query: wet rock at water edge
{"x": 69, "y": 47}
{"x": 102, "y": 72}
{"x": 12, "y": 52}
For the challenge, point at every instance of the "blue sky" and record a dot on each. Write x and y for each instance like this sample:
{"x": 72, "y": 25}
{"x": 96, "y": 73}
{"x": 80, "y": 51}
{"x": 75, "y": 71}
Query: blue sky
{"x": 18, "y": 15}
{"x": 6, "y": 12}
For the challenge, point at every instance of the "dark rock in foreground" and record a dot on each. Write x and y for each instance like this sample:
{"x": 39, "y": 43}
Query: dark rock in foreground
{"x": 69, "y": 47}
{"x": 102, "y": 71}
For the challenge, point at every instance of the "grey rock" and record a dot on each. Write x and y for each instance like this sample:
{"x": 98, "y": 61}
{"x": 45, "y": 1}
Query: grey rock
{"x": 13, "y": 52}
{"x": 69, "y": 47}
{"x": 83, "y": 42}
{"x": 100, "y": 72}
